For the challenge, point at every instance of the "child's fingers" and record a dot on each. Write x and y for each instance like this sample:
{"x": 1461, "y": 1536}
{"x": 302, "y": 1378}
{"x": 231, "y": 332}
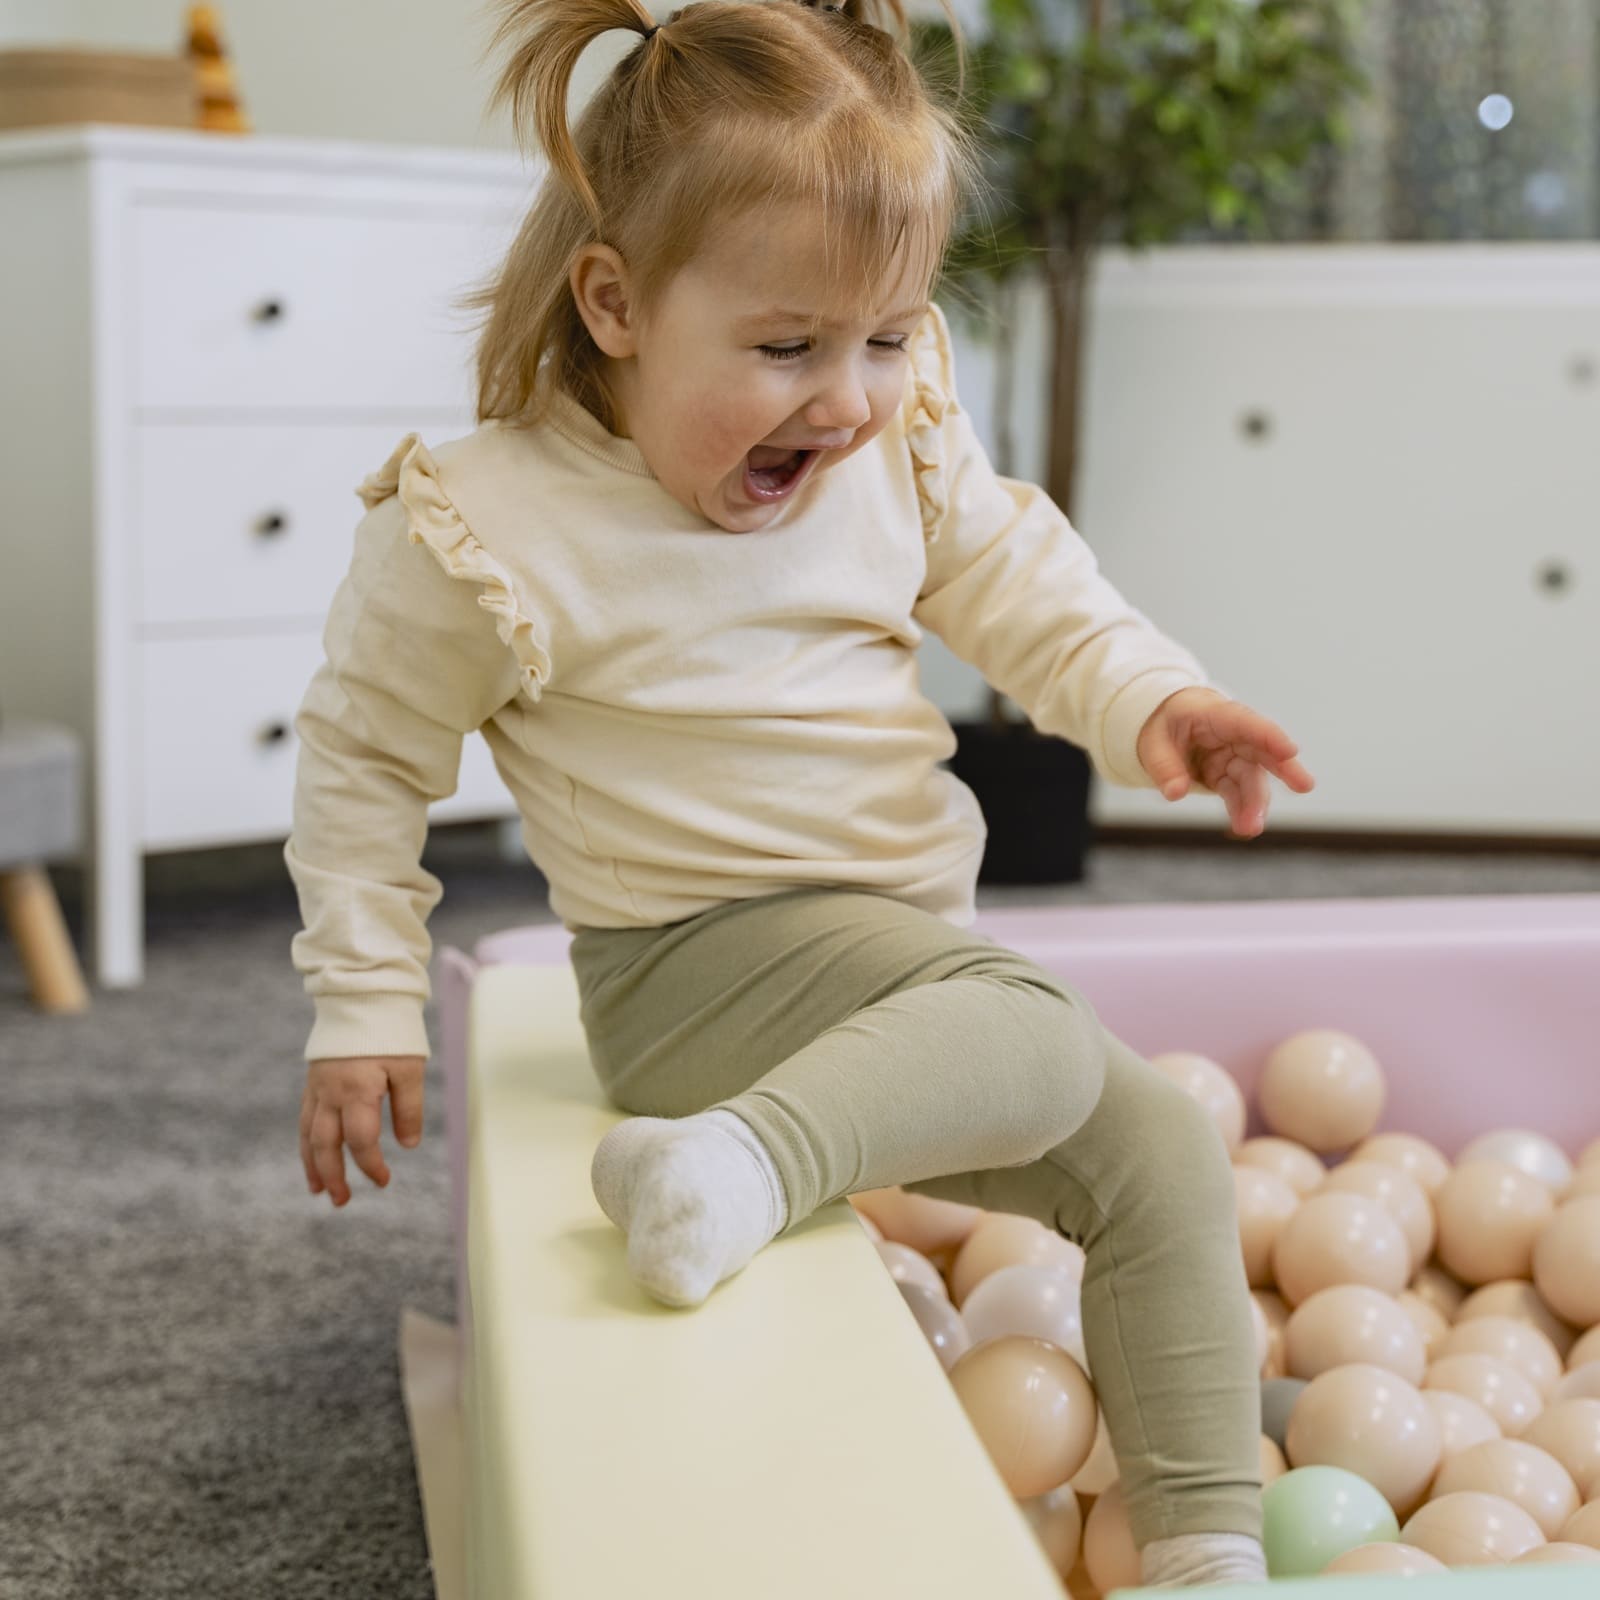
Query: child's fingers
{"x": 405, "y": 1099}
{"x": 307, "y": 1107}
{"x": 327, "y": 1153}
{"x": 363, "y": 1126}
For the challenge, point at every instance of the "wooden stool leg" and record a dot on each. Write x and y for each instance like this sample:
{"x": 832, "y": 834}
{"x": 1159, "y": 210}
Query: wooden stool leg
{"x": 40, "y": 933}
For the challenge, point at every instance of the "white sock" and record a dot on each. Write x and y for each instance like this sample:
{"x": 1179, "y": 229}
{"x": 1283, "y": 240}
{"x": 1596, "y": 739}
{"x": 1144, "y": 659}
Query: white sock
{"x": 697, "y": 1197}
{"x": 1190, "y": 1559}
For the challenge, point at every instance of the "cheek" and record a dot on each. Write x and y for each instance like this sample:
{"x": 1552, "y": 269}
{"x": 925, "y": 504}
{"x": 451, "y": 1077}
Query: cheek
{"x": 714, "y": 436}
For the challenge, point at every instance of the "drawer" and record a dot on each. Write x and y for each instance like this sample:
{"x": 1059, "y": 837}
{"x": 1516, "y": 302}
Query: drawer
{"x": 251, "y": 308}
{"x": 218, "y": 747}
{"x": 251, "y": 522}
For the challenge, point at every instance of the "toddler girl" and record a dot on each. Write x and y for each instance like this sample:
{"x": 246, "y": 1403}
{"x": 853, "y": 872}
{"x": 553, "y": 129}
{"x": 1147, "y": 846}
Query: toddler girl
{"x": 677, "y": 578}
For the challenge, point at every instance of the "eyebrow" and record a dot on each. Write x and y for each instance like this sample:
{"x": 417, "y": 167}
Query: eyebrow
{"x": 779, "y": 314}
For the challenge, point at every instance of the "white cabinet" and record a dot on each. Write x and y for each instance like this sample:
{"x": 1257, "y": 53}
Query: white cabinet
{"x": 205, "y": 343}
{"x": 1362, "y": 484}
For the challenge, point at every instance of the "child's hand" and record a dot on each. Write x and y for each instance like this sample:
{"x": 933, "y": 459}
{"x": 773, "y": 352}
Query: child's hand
{"x": 1222, "y": 746}
{"x": 343, "y": 1105}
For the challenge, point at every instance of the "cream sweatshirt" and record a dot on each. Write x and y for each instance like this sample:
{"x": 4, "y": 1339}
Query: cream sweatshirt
{"x": 683, "y": 716}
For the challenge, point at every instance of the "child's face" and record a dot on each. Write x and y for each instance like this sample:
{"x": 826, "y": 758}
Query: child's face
{"x": 697, "y": 391}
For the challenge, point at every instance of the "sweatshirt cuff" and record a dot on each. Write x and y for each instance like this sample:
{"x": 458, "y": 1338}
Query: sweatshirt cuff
{"x": 382, "y": 1024}
{"x": 1131, "y": 707}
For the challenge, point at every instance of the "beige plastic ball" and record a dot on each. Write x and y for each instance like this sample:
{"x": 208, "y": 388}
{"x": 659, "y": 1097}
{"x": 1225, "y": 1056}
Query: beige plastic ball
{"x": 1004, "y": 1239}
{"x": 1500, "y": 1389}
{"x": 1585, "y": 1181}
{"x": 1339, "y": 1238}
{"x": 1057, "y": 1522}
{"x": 1566, "y": 1262}
{"x": 1099, "y": 1472}
{"x": 1471, "y": 1529}
{"x": 1263, "y": 1203}
{"x": 1352, "y": 1323}
{"x": 1570, "y": 1431}
{"x": 1300, "y": 1168}
{"x": 1462, "y": 1421}
{"x": 1426, "y": 1319}
{"x": 1212, "y": 1086}
{"x": 1276, "y": 1314}
{"x": 1519, "y": 1344}
{"x": 1032, "y": 1406}
{"x": 1323, "y": 1088}
{"x": 1413, "y": 1156}
{"x": 1371, "y": 1423}
{"x": 1581, "y": 1383}
{"x": 1490, "y": 1214}
{"x": 908, "y": 1266}
{"x": 940, "y": 1322}
{"x": 1442, "y": 1290}
{"x": 918, "y": 1221}
{"x": 1109, "y": 1553}
{"x": 1039, "y": 1302}
{"x": 1540, "y": 1157}
{"x": 1585, "y": 1348}
{"x": 1516, "y": 1297}
{"x": 1516, "y": 1471}
{"x": 1273, "y": 1464}
{"x": 1558, "y": 1552}
{"x": 1398, "y": 1193}
{"x": 1395, "y": 1560}
{"x": 1583, "y": 1527}
{"x": 1273, "y": 1307}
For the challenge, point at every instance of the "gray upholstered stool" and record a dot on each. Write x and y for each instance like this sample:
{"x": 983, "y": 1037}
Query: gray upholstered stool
{"x": 40, "y": 819}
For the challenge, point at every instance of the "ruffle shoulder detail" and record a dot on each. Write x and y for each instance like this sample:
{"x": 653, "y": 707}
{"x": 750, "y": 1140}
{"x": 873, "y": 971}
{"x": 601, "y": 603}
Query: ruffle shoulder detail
{"x": 433, "y": 520}
{"x": 932, "y": 395}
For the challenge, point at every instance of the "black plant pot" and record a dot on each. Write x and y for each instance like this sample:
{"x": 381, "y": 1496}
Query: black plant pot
{"x": 1034, "y": 790}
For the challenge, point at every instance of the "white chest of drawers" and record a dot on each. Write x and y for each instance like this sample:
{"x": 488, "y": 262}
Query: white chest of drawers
{"x": 205, "y": 343}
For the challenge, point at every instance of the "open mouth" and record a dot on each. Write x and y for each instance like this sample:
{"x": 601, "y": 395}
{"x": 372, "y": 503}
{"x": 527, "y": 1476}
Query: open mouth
{"x": 771, "y": 474}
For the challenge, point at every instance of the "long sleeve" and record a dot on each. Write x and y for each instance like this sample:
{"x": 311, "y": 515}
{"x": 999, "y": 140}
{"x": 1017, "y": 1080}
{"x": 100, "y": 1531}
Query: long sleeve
{"x": 413, "y": 664}
{"x": 1013, "y": 589}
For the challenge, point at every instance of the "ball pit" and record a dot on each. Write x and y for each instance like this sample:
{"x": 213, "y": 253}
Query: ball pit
{"x": 1413, "y": 1411}
{"x": 1479, "y": 1009}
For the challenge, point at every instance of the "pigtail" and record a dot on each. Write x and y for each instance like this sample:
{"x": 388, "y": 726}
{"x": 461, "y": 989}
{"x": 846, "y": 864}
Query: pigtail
{"x": 543, "y": 40}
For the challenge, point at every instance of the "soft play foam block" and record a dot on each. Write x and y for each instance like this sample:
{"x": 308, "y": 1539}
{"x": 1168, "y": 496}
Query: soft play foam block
{"x": 793, "y": 1436}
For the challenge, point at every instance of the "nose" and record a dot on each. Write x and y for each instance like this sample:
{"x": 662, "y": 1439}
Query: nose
{"x": 842, "y": 405}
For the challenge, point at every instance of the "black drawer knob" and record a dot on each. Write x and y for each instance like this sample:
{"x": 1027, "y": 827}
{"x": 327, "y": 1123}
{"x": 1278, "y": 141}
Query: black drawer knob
{"x": 1556, "y": 577}
{"x": 273, "y": 733}
{"x": 272, "y": 523}
{"x": 270, "y": 311}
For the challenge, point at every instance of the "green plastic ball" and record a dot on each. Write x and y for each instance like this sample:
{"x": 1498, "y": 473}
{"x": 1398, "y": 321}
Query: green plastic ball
{"x": 1316, "y": 1513}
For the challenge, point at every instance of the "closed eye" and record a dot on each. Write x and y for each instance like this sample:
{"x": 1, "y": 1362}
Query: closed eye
{"x": 789, "y": 352}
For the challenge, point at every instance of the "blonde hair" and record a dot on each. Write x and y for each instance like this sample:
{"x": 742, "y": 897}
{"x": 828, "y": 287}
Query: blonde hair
{"x": 730, "y": 107}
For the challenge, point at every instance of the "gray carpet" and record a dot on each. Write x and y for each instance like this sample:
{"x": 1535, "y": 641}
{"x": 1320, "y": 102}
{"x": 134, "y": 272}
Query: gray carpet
{"x": 198, "y": 1373}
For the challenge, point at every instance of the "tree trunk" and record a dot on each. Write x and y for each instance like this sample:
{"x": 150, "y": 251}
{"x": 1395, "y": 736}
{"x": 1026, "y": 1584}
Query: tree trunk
{"x": 1005, "y": 377}
{"x": 1005, "y": 345}
{"x": 1067, "y": 266}
{"x": 1067, "y": 279}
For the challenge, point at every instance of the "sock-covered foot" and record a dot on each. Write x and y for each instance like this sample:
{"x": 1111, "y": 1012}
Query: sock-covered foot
{"x": 1190, "y": 1559}
{"x": 697, "y": 1197}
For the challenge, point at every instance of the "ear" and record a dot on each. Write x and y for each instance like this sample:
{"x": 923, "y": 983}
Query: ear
{"x": 603, "y": 294}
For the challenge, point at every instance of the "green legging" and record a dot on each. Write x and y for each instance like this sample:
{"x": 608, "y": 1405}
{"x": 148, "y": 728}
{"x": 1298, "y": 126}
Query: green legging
{"x": 870, "y": 1043}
